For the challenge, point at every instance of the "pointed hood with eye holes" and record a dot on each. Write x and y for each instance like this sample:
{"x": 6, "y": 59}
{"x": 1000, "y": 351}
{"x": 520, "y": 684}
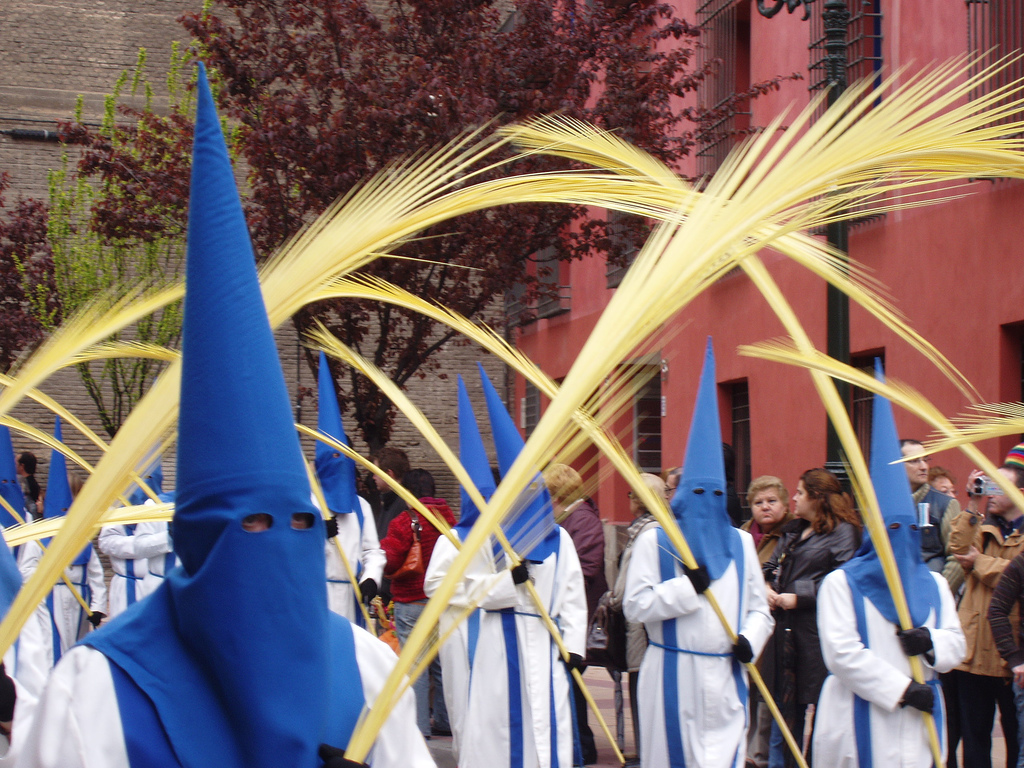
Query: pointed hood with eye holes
{"x": 232, "y": 649}
{"x": 10, "y": 485}
{"x": 154, "y": 478}
{"x": 335, "y": 471}
{"x": 474, "y": 458}
{"x": 58, "y": 498}
{"x": 531, "y": 530}
{"x": 699, "y": 503}
{"x": 897, "y": 506}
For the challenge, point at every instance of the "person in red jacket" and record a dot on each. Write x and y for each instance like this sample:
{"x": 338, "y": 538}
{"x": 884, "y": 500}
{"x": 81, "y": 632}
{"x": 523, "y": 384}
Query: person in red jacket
{"x": 407, "y": 590}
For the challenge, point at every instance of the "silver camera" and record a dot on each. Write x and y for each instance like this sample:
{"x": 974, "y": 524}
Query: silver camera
{"x": 983, "y": 486}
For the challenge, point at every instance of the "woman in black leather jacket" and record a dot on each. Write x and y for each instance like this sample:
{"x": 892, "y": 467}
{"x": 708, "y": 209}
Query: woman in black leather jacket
{"x": 825, "y": 535}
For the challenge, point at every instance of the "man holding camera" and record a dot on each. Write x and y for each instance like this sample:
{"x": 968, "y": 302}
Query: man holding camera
{"x": 984, "y": 545}
{"x": 942, "y": 510}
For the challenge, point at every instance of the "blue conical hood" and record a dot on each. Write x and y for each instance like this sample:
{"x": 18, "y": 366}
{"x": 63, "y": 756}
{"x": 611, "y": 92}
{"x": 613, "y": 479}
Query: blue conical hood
{"x": 700, "y": 503}
{"x": 58, "y": 489}
{"x": 246, "y": 607}
{"x": 236, "y": 434}
{"x": 58, "y": 497}
{"x": 10, "y": 487}
{"x": 10, "y": 578}
{"x": 335, "y": 471}
{"x": 898, "y": 512}
{"x": 474, "y": 458}
{"x": 531, "y": 530}
{"x": 154, "y": 478}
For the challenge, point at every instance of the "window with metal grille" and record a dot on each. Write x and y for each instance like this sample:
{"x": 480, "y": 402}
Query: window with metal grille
{"x": 739, "y": 395}
{"x": 647, "y": 426}
{"x": 863, "y": 59}
{"x": 997, "y": 26}
{"x": 529, "y": 413}
{"x": 623, "y": 239}
{"x": 862, "y": 402}
{"x": 725, "y": 39}
{"x": 863, "y": 44}
{"x": 553, "y": 290}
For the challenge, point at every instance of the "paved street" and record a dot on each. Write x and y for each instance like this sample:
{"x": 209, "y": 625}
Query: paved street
{"x": 603, "y": 689}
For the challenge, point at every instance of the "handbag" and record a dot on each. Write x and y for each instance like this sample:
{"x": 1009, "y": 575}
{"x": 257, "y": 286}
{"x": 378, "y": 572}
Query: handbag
{"x": 413, "y": 564}
{"x": 606, "y": 636}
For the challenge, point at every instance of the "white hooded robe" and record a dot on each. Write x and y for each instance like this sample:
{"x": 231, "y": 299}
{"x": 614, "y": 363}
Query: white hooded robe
{"x": 359, "y": 540}
{"x": 545, "y": 695}
{"x": 77, "y": 722}
{"x": 711, "y": 696}
{"x": 878, "y": 671}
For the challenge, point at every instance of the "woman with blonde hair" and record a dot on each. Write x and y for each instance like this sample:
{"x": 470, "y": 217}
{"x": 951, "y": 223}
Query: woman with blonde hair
{"x": 768, "y": 500}
{"x": 636, "y": 635}
{"x": 578, "y": 515}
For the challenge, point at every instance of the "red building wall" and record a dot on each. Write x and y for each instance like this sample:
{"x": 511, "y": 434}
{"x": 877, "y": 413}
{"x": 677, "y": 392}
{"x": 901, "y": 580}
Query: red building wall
{"x": 953, "y": 269}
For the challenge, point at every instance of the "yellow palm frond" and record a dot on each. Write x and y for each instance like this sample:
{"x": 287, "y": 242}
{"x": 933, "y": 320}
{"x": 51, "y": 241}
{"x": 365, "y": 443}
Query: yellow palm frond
{"x": 92, "y": 325}
{"x": 59, "y": 410}
{"x": 51, "y": 526}
{"x": 110, "y": 349}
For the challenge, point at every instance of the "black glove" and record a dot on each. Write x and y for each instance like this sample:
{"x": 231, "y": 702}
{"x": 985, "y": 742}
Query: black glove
{"x": 575, "y": 662}
{"x": 369, "y": 589}
{"x": 915, "y": 641}
{"x": 335, "y": 758}
{"x": 919, "y": 696}
{"x": 8, "y": 695}
{"x": 742, "y": 651}
{"x": 520, "y": 573}
{"x": 331, "y": 524}
{"x": 96, "y": 617}
{"x": 699, "y": 578}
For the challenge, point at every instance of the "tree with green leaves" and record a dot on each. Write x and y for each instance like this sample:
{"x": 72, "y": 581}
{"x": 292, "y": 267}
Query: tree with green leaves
{"x": 130, "y": 163}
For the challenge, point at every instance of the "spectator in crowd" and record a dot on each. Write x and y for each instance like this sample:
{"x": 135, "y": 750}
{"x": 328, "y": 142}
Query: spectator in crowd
{"x": 636, "y": 635}
{"x": 769, "y": 506}
{"x": 395, "y": 462}
{"x": 825, "y": 535}
{"x": 671, "y": 478}
{"x": 942, "y": 509}
{"x": 942, "y": 480}
{"x": 984, "y": 544}
{"x": 1009, "y": 594}
{"x": 578, "y": 516}
{"x": 29, "y": 484}
{"x": 1015, "y": 458}
{"x": 407, "y": 590}
{"x": 768, "y": 500}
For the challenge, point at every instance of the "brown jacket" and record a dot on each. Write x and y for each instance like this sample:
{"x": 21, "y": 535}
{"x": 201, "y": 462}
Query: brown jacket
{"x": 996, "y": 553}
{"x": 766, "y": 545}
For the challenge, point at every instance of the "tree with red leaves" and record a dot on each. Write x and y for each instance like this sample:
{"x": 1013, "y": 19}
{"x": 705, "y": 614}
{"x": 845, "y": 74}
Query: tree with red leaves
{"x": 26, "y": 276}
{"x": 325, "y": 93}
{"x": 328, "y": 92}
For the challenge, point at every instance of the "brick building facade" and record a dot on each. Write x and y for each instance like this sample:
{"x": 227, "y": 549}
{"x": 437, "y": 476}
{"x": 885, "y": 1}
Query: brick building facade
{"x": 52, "y": 52}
